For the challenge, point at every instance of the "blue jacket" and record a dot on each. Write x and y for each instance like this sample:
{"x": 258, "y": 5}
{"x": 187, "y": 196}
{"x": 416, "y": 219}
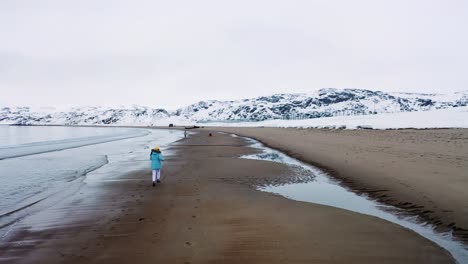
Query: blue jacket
{"x": 156, "y": 160}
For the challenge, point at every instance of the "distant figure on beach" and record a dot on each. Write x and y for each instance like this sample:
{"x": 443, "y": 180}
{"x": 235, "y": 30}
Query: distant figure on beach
{"x": 156, "y": 164}
{"x": 185, "y": 133}
{"x": 211, "y": 135}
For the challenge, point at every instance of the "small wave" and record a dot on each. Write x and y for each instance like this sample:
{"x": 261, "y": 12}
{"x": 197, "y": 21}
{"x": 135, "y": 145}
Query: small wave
{"x": 58, "y": 145}
{"x": 19, "y": 209}
{"x": 34, "y": 203}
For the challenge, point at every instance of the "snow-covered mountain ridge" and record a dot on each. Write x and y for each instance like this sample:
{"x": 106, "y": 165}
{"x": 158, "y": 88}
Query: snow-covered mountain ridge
{"x": 322, "y": 103}
{"x": 81, "y": 115}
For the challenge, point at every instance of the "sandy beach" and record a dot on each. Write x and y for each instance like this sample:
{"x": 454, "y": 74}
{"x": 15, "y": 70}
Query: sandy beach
{"x": 423, "y": 171}
{"x": 207, "y": 211}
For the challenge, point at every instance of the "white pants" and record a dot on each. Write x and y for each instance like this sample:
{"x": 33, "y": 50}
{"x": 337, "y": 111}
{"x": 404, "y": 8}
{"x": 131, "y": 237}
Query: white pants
{"x": 156, "y": 173}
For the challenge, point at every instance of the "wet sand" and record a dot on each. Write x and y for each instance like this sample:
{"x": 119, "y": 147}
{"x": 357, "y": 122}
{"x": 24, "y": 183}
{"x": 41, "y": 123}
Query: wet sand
{"x": 423, "y": 171}
{"x": 207, "y": 211}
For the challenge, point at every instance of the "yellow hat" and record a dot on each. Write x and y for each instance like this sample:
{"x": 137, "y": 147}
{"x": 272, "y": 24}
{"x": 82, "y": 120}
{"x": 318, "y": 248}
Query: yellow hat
{"x": 156, "y": 148}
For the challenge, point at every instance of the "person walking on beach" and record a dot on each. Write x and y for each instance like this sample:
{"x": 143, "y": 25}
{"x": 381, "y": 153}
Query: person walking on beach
{"x": 156, "y": 164}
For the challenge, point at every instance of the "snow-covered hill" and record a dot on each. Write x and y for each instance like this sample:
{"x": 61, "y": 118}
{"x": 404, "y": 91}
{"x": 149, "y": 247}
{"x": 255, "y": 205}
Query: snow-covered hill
{"x": 456, "y": 117}
{"x": 82, "y": 115}
{"x": 322, "y": 103}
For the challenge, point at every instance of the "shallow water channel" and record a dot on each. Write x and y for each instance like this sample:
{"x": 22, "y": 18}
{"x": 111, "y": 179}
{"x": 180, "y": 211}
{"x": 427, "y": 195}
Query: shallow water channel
{"x": 322, "y": 189}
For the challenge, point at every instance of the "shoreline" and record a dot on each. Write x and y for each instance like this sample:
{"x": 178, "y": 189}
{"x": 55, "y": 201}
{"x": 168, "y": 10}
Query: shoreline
{"x": 63, "y": 188}
{"x": 378, "y": 194}
{"x": 207, "y": 211}
{"x": 352, "y": 180}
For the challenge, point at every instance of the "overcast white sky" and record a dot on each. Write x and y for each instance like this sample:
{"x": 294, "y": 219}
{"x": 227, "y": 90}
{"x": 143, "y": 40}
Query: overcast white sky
{"x": 173, "y": 53}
